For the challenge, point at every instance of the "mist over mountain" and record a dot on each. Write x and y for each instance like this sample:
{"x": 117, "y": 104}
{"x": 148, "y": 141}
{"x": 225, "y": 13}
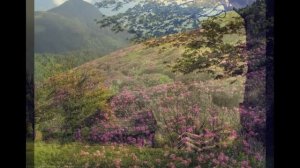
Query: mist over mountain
{"x": 72, "y": 27}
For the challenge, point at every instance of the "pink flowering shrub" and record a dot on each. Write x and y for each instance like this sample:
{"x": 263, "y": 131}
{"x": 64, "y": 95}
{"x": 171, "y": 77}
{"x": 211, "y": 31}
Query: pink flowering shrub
{"x": 139, "y": 130}
{"x": 170, "y": 110}
{"x": 253, "y": 121}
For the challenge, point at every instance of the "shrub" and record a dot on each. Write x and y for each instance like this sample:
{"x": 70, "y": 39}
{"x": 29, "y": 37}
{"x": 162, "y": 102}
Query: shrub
{"x": 177, "y": 108}
{"x": 64, "y": 101}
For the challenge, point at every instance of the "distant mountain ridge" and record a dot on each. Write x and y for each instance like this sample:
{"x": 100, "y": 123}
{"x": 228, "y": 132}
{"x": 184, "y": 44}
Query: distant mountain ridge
{"x": 80, "y": 9}
{"x": 71, "y": 27}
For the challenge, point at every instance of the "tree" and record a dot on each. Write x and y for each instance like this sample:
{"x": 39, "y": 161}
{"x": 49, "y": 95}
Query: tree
{"x": 151, "y": 18}
{"x": 65, "y": 101}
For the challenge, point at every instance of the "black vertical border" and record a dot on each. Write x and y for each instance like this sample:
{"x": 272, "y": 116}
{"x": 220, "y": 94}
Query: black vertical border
{"x": 30, "y": 83}
{"x": 270, "y": 85}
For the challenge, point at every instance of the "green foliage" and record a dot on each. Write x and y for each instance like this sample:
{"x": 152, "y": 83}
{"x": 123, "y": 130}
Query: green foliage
{"x": 209, "y": 49}
{"x": 157, "y": 18}
{"x": 211, "y": 54}
{"x": 64, "y": 101}
{"x": 155, "y": 79}
{"x": 48, "y": 65}
{"x": 255, "y": 18}
{"x": 75, "y": 155}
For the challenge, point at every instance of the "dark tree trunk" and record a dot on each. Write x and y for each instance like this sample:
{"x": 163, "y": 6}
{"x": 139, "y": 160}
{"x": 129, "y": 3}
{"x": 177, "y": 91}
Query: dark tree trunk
{"x": 259, "y": 92}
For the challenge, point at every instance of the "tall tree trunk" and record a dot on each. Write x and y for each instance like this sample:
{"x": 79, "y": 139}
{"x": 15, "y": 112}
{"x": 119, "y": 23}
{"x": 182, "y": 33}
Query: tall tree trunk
{"x": 259, "y": 89}
{"x": 254, "y": 104}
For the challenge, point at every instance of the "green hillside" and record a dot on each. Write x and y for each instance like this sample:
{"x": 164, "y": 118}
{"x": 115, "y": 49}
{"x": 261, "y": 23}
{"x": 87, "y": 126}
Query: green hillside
{"x": 139, "y": 69}
{"x": 112, "y": 106}
{"x": 71, "y": 27}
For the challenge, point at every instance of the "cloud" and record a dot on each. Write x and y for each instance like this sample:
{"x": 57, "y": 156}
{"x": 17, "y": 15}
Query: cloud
{"x": 58, "y": 2}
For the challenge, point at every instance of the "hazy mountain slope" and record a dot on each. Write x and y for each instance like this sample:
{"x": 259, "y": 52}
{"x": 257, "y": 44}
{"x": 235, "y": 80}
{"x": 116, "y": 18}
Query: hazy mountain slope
{"x": 79, "y": 9}
{"x": 55, "y": 33}
{"x": 71, "y": 27}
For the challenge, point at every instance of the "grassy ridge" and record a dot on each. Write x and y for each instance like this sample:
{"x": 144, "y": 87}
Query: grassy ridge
{"x": 137, "y": 80}
{"x": 139, "y": 69}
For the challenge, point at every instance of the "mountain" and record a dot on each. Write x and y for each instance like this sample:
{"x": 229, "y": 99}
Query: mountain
{"x": 79, "y": 9}
{"x": 71, "y": 27}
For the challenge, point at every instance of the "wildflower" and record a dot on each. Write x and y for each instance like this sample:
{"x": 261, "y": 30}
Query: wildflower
{"x": 233, "y": 135}
{"x": 209, "y": 134}
{"x": 98, "y": 154}
{"x": 245, "y": 143}
{"x": 134, "y": 157}
{"x": 185, "y": 162}
{"x": 223, "y": 157}
{"x": 171, "y": 165}
{"x": 196, "y": 109}
{"x": 173, "y": 156}
{"x": 200, "y": 158}
{"x": 215, "y": 161}
{"x": 258, "y": 156}
{"x": 117, "y": 163}
{"x": 245, "y": 164}
{"x": 84, "y": 153}
{"x": 189, "y": 129}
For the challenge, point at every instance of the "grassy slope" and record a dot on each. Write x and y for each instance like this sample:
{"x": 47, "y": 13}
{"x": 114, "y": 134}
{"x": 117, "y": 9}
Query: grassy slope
{"x": 76, "y": 155}
{"x": 140, "y": 68}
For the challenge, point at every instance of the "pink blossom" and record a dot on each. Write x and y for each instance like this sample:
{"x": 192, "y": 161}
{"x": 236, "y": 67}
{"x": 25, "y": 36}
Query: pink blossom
{"x": 258, "y": 156}
{"x": 171, "y": 165}
{"x": 245, "y": 164}
{"x": 173, "y": 156}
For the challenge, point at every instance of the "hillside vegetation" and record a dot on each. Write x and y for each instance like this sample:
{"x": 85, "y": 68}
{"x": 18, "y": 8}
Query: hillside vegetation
{"x": 129, "y": 109}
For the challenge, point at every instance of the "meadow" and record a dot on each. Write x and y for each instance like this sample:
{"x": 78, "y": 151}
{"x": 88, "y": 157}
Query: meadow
{"x": 77, "y": 155}
{"x": 129, "y": 109}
